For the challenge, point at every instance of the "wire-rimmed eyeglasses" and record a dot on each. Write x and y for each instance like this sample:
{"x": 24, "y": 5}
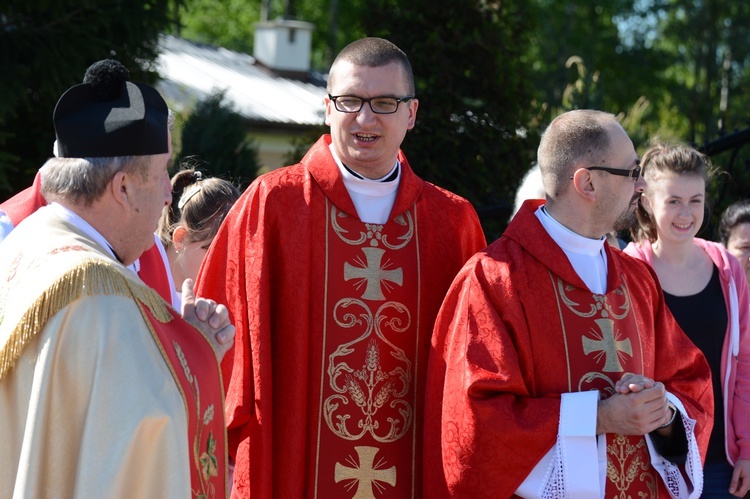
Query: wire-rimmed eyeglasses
{"x": 378, "y": 105}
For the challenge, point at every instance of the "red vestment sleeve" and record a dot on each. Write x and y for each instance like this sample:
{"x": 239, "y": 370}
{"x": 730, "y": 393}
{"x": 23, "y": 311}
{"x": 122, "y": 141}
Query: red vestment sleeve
{"x": 488, "y": 433}
{"x": 233, "y": 265}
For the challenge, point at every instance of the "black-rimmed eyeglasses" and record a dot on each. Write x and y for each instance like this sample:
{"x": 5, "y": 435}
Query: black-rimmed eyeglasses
{"x": 635, "y": 173}
{"x": 379, "y": 105}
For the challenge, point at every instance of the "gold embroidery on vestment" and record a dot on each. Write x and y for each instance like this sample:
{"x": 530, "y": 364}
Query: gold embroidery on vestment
{"x": 607, "y": 345}
{"x": 373, "y": 273}
{"x": 601, "y": 304}
{"x": 373, "y": 232}
{"x": 367, "y": 474}
{"x": 626, "y": 463}
{"x": 375, "y": 394}
{"x": 91, "y": 277}
{"x": 206, "y": 462}
{"x": 369, "y": 388}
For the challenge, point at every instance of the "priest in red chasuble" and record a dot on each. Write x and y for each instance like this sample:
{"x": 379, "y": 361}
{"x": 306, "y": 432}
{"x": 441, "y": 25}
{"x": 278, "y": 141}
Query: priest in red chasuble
{"x": 105, "y": 390}
{"x": 334, "y": 270}
{"x": 557, "y": 370}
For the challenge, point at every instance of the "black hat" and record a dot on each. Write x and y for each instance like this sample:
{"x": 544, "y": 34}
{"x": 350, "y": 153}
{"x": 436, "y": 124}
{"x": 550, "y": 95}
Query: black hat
{"x": 108, "y": 115}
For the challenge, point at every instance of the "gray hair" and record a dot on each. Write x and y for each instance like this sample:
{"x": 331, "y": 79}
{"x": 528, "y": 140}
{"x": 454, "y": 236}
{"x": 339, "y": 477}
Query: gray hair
{"x": 84, "y": 180}
{"x": 579, "y": 136}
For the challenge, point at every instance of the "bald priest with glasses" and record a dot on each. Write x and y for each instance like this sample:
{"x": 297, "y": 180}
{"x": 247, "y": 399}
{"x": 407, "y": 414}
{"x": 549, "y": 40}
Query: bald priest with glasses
{"x": 558, "y": 370}
{"x": 334, "y": 270}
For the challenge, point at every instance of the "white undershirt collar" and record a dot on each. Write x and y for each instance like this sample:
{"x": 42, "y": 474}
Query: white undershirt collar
{"x": 586, "y": 255}
{"x": 372, "y": 198}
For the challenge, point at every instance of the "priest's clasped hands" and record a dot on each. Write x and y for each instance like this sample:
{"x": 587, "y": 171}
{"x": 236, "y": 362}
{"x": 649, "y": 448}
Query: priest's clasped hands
{"x": 638, "y": 406}
{"x": 208, "y": 316}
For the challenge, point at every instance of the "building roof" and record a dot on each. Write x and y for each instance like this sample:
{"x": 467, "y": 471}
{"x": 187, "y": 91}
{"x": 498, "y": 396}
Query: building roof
{"x": 190, "y": 71}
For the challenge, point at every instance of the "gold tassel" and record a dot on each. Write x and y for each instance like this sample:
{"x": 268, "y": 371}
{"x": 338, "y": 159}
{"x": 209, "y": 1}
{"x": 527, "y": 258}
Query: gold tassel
{"x": 91, "y": 277}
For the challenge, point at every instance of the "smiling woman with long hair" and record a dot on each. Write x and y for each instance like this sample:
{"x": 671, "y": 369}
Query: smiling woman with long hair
{"x": 706, "y": 291}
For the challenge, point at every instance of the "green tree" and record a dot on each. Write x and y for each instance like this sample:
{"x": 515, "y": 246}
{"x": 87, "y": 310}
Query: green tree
{"x": 214, "y": 135}
{"x": 468, "y": 58}
{"x": 705, "y": 43}
{"x": 45, "y": 47}
{"x": 337, "y": 23}
{"x": 590, "y": 54}
{"x": 228, "y": 24}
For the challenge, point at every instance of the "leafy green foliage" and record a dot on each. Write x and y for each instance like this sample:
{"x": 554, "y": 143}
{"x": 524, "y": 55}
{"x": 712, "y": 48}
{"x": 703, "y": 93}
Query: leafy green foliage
{"x": 45, "y": 48}
{"x": 471, "y": 135}
{"x": 214, "y": 136}
{"x": 227, "y": 23}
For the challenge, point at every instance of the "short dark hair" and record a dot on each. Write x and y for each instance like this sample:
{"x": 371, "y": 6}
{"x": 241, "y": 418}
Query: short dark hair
{"x": 737, "y": 214}
{"x": 374, "y": 53}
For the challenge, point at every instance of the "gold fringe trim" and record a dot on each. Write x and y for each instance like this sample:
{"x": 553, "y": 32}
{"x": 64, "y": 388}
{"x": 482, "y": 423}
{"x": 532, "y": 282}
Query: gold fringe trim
{"x": 91, "y": 277}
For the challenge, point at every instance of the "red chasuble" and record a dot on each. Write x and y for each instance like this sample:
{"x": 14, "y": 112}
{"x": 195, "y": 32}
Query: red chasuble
{"x": 334, "y": 318}
{"x": 517, "y": 329}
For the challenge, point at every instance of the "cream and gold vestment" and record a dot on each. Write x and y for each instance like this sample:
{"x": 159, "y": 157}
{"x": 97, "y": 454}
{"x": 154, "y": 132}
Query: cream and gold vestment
{"x": 90, "y": 405}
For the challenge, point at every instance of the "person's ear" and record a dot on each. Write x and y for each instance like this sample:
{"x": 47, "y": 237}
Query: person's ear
{"x": 329, "y": 109}
{"x": 413, "y": 105}
{"x": 179, "y": 238}
{"x": 583, "y": 183}
{"x": 121, "y": 189}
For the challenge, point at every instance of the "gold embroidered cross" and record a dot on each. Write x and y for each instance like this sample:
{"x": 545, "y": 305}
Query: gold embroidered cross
{"x": 608, "y": 346}
{"x": 365, "y": 474}
{"x": 373, "y": 273}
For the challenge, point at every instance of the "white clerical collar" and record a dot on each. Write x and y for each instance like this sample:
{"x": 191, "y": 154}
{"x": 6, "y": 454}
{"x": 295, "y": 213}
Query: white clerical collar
{"x": 372, "y": 198}
{"x": 566, "y": 238}
{"x": 74, "y": 219}
{"x": 371, "y": 187}
{"x": 587, "y": 256}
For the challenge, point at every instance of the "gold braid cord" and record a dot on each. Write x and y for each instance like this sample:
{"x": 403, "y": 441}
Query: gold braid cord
{"x": 91, "y": 277}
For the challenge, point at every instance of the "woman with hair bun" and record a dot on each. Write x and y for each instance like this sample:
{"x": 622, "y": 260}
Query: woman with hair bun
{"x": 706, "y": 291}
{"x": 191, "y": 222}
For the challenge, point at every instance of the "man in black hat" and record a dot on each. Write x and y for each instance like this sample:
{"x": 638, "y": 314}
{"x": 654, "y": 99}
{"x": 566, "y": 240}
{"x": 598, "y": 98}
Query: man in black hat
{"x": 152, "y": 266}
{"x": 104, "y": 389}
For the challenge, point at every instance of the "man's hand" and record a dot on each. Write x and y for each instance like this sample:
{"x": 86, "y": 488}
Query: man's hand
{"x": 210, "y": 318}
{"x": 740, "y": 478}
{"x": 633, "y": 383}
{"x": 639, "y": 406}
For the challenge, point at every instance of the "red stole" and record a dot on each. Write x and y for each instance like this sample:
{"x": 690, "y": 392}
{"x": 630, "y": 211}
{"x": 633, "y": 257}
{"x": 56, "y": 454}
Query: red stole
{"x": 153, "y": 272}
{"x": 602, "y": 343}
{"x": 366, "y": 432}
{"x": 194, "y": 366}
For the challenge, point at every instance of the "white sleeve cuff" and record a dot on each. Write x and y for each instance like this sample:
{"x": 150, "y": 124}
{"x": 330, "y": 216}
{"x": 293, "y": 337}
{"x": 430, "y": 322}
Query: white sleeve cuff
{"x": 571, "y": 468}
